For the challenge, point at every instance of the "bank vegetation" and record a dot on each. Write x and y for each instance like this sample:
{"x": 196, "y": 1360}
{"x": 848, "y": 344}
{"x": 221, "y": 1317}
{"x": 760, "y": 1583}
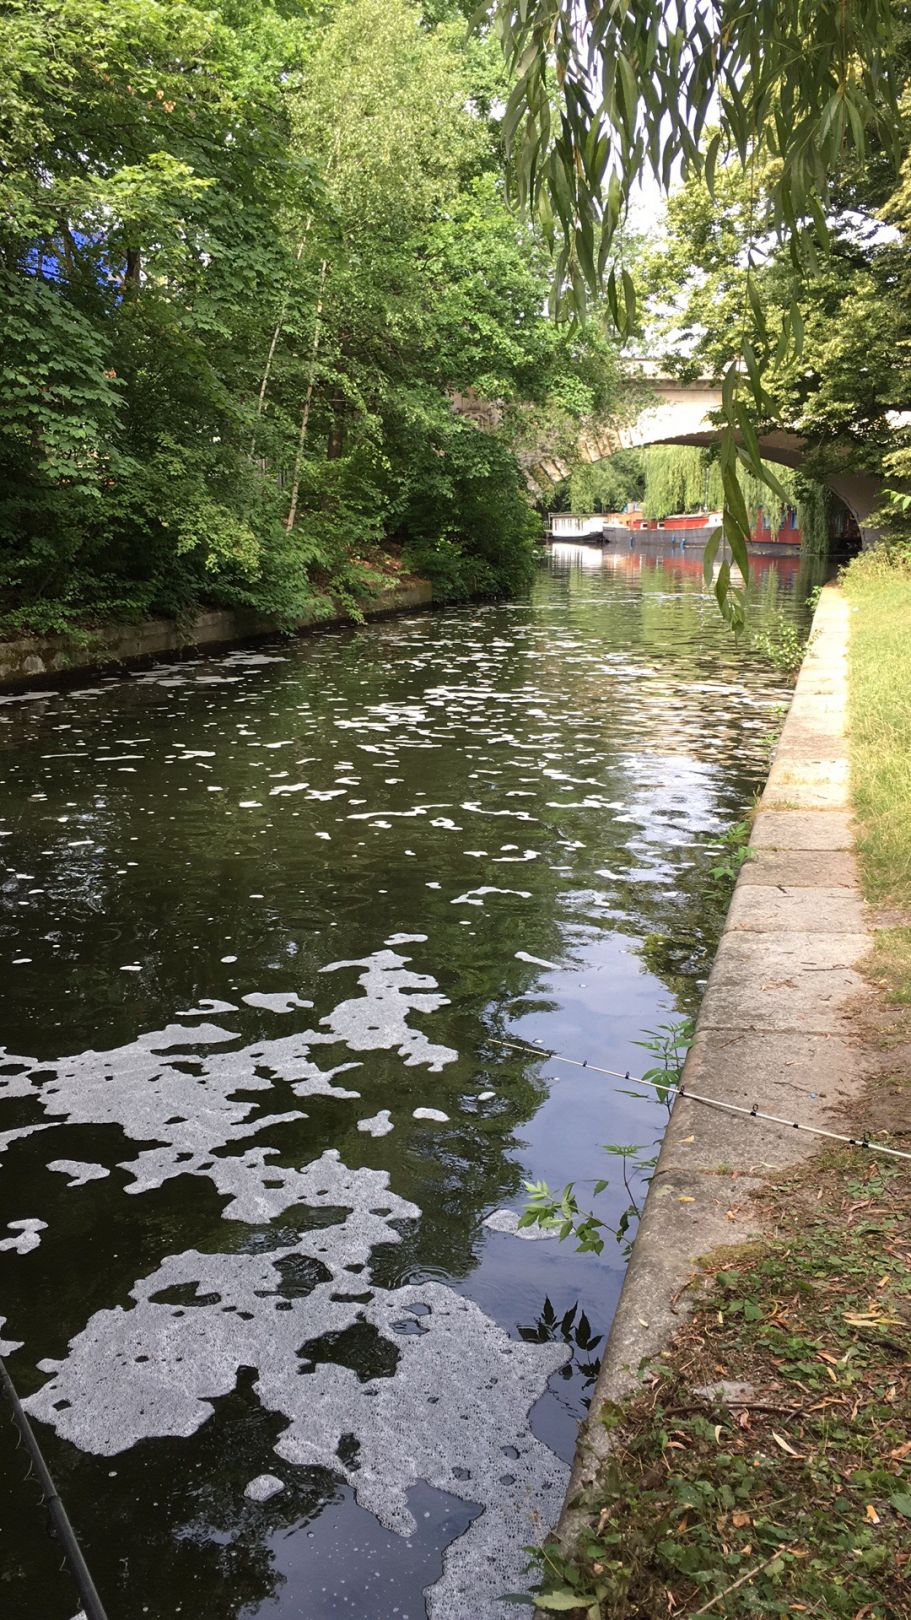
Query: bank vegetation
{"x": 251, "y": 253}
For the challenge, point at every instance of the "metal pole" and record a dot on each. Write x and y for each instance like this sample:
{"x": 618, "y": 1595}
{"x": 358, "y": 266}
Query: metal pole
{"x": 91, "y": 1602}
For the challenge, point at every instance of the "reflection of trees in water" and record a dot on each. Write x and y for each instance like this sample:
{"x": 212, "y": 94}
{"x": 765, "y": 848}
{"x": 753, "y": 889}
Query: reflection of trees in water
{"x": 574, "y": 1329}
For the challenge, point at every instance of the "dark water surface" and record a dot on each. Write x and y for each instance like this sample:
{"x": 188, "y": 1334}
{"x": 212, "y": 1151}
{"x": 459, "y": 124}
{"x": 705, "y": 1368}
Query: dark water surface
{"x": 259, "y": 911}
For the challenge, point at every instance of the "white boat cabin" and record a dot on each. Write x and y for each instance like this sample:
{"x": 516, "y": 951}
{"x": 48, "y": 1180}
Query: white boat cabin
{"x": 575, "y": 525}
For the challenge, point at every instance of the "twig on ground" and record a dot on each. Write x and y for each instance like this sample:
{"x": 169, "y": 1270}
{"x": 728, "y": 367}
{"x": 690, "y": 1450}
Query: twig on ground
{"x": 741, "y": 1581}
{"x": 736, "y": 1406}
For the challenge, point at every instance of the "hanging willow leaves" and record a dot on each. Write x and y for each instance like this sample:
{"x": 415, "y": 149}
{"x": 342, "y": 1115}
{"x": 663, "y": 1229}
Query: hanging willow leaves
{"x": 606, "y": 94}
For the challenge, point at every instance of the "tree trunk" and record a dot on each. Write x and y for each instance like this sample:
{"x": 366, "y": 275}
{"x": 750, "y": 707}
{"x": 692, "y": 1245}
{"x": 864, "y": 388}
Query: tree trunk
{"x": 336, "y": 441}
{"x": 308, "y": 401}
{"x": 279, "y": 325}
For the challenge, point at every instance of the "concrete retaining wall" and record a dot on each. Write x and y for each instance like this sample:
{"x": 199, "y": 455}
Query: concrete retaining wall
{"x": 775, "y": 1028}
{"x": 33, "y": 658}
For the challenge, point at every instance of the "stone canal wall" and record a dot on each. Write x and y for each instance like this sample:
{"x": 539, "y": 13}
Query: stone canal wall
{"x": 775, "y": 1029}
{"x": 33, "y": 658}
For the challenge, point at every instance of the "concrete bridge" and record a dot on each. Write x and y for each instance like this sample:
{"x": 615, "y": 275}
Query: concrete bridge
{"x": 675, "y": 412}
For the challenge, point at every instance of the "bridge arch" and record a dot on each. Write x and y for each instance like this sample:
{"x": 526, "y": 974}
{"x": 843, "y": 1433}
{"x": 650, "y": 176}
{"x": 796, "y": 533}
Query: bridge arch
{"x": 680, "y": 413}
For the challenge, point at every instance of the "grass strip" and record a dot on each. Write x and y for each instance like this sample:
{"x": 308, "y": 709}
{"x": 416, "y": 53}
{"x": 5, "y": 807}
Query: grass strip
{"x": 880, "y": 725}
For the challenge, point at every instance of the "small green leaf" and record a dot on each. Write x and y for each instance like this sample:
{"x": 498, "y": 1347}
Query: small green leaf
{"x": 709, "y": 555}
{"x": 563, "y": 1600}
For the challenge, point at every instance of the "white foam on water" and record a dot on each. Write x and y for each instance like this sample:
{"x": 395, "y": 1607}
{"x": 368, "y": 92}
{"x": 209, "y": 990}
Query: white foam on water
{"x": 207, "y": 1006}
{"x": 539, "y": 961}
{"x": 277, "y": 1001}
{"x": 507, "y": 1220}
{"x": 263, "y": 1488}
{"x": 454, "y": 1414}
{"x": 26, "y": 1235}
{"x": 475, "y": 897}
{"x": 78, "y": 1171}
{"x": 8, "y": 1346}
{"x": 380, "y": 1124}
{"x": 174, "y": 1088}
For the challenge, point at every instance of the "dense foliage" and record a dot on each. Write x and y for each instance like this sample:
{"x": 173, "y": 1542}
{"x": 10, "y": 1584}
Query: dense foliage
{"x": 249, "y": 250}
{"x": 604, "y": 94}
{"x": 841, "y": 391}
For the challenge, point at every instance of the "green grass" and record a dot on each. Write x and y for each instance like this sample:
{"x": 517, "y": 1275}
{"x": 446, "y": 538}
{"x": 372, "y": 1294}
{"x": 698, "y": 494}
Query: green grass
{"x": 880, "y": 723}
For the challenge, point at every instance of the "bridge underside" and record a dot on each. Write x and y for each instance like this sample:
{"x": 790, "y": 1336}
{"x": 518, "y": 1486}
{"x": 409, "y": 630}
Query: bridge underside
{"x": 860, "y": 492}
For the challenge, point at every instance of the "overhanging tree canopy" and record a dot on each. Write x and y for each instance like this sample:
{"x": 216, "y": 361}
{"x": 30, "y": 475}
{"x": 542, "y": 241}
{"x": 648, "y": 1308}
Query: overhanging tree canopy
{"x": 605, "y": 94}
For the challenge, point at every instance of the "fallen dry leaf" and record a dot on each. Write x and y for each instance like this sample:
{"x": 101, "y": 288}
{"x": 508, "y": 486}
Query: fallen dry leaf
{"x": 870, "y": 1320}
{"x": 780, "y": 1441}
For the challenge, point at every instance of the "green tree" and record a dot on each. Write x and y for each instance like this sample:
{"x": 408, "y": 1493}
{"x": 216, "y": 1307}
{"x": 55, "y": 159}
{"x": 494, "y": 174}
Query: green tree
{"x": 146, "y": 163}
{"x": 607, "y": 485}
{"x": 249, "y": 252}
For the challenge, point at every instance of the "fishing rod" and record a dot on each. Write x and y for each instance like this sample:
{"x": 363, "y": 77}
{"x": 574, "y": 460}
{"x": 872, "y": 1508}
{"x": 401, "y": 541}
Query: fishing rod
{"x": 665, "y": 1087}
{"x": 92, "y": 1607}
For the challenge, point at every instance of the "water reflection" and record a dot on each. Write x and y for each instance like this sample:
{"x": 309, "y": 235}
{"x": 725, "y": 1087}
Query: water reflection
{"x": 261, "y": 914}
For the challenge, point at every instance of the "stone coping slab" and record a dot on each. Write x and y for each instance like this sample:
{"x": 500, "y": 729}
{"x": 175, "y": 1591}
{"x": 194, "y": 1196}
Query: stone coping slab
{"x": 784, "y": 981}
{"x": 802, "y": 829}
{"x": 807, "y": 908}
{"x": 799, "y": 868}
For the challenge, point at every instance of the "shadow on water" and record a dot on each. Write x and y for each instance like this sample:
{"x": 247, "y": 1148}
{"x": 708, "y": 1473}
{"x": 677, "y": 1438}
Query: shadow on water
{"x": 259, "y": 909}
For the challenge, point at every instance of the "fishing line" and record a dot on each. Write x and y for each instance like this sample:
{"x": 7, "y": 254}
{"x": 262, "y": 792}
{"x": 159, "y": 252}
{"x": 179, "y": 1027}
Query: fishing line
{"x": 72, "y": 1552}
{"x": 666, "y": 1088}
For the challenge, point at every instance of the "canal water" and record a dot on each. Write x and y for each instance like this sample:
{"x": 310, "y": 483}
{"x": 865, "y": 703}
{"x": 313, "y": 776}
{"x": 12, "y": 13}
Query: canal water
{"x": 265, "y": 917}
